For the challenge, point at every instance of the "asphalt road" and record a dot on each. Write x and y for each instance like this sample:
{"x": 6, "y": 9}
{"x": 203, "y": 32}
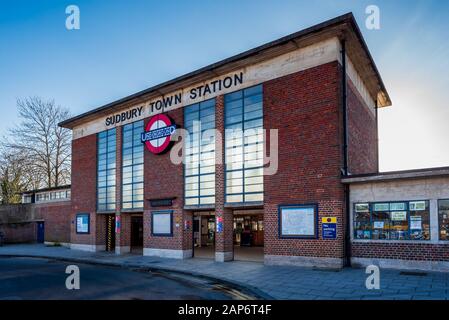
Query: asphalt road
{"x": 43, "y": 279}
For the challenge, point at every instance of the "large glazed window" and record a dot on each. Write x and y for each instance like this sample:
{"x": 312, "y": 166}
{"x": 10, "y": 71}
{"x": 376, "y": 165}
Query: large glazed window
{"x": 132, "y": 166}
{"x": 199, "y": 169}
{"x": 106, "y": 148}
{"x": 402, "y": 220}
{"x": 244, "y": 145}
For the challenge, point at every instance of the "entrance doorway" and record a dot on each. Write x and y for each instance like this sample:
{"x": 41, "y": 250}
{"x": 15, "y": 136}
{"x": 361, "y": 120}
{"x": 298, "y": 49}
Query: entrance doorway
{"x": 110, "y": 232}
{"x": 248, "y": 236}
{"x": 137, "y": 234}
{"x": 204, "y": 235}
{"x": 40, "y": 232}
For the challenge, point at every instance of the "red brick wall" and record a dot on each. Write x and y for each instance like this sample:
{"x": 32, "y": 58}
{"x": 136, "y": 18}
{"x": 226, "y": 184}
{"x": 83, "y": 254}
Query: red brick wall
{"x": 403, "y": 251}
{"x": 305, "y": 107}
{"x": 362, "y": 135}
{"x": 163, "y": 179}
{"x": 19, "y": 232}
{"x": 57, "y": 220}
{"x": 84, "y": 171}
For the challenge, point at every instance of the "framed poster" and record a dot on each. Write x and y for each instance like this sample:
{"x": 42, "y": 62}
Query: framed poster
{"x": 162, "y": 223}
{"x": 298, "y": 221}
{"x": 83, "y": 223}
{"x": 361, "y": 207}
{"x": 417, "y": 205}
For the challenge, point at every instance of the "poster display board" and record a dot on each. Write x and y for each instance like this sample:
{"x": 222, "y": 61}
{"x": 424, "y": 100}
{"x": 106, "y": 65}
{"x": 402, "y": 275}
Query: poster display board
{"x": 82, "y": 223}
{"x": 298, "y": 221}
{"x": 162, "y": 223}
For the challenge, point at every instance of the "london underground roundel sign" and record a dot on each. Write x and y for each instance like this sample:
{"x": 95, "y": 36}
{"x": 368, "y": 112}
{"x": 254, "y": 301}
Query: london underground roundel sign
{"x": 157, "y": 133}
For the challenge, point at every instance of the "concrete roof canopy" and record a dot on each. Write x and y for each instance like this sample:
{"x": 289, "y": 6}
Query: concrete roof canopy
{"x": 344, "y": 27}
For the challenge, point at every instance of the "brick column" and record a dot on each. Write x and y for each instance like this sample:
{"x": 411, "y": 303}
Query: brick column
{"x": 224, "y": 248}
{"x": 122, "y": 236}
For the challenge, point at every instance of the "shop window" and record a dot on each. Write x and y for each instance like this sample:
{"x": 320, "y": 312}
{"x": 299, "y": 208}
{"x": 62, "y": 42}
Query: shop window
{"x": 406, "y": 220}
{"x": 443, "y": 219}
{"x": 244, "y": 145}
{"x": 199, "y": 168}
{"x": 106, "y": 149}
{"x": 132, "y": 166}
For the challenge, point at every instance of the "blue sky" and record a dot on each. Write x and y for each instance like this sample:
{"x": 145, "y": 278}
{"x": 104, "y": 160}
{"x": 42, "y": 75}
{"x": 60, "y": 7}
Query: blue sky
{"x": 126, "y": 46}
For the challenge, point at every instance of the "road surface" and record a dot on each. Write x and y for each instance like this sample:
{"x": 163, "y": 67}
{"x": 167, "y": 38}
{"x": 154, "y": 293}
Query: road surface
{"x": 44, "y": 279}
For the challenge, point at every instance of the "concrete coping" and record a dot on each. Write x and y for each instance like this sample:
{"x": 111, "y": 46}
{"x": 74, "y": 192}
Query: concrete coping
{"x": 397, "y": 175}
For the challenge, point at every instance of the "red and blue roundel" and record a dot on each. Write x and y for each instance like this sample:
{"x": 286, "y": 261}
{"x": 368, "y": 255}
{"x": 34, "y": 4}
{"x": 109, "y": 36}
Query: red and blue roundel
{"x": 157, "y": 133}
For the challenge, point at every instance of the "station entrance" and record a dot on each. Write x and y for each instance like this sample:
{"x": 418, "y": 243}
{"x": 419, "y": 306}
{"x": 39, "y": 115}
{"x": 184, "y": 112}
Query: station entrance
{"x": 137, "y": 234}
{"x": 204, "y": 235}
{"x": 248, "y": 235}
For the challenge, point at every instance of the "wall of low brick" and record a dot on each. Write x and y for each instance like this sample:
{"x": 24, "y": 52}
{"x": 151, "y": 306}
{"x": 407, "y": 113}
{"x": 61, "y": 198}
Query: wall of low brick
{"x": 19, "y": 232}
{"x": 56, "y": 216}
{"x": 18, "y": 222}
{"x": 402, "y": 251}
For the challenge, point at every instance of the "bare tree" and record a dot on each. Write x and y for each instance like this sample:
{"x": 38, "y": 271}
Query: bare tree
{"x": 45, "y": 145}
{"x": 14, "y": 176}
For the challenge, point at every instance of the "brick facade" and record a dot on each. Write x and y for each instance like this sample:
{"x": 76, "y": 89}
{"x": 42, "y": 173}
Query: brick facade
{"x": 163, "y": 179}
{"x": 56, "y": 216}
{"x": 362, "y": 135}
{"x": 305, "y": 108}
{"x": 402, "y": 251}
{"x": 84, "y": 177}
{"x": 23, "y": 232}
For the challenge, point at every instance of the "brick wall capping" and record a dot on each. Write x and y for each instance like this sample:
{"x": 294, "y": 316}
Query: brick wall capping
{"x": 105, "y": 212}
{"x": 131, "y": 210}
{"x": 22, "y": 222}
{"x": 397, "y": 175}
{"x": 244, "y": 205}
{"x": 199, "y": 208}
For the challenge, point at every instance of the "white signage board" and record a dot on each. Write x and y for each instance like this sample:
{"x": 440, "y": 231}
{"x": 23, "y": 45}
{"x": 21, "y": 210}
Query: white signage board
{"x": 161, "y": 224}
{"x": 415, "y": 223}
{"x": 298, "y": 221}
{"x": 399, "y": 215}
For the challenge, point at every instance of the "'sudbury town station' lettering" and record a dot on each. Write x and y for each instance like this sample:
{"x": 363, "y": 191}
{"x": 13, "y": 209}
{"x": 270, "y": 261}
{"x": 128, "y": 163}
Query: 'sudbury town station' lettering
{"x": 176, "y": 99}
{"x": 123, "y": 116}
{"x": 198, "y": 92}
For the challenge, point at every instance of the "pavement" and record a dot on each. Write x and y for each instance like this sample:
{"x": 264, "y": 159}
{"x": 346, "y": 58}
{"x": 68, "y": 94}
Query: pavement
{"x": 266, "y": 282}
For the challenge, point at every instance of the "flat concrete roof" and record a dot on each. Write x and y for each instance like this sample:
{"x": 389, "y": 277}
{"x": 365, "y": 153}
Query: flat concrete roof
{"x": 67, "y": 186}
{"x": 397, "y": 175}
{"x": 343, "y": 27}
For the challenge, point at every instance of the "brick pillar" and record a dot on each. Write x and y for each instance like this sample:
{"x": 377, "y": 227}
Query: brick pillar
{"x": 224, "y": 248}
{"x": 122, "y": 234}
{"x": 187, "y": 235}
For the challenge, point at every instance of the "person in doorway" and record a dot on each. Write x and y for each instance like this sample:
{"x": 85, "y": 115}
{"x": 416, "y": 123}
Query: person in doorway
{"x": 246, "y": 237}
